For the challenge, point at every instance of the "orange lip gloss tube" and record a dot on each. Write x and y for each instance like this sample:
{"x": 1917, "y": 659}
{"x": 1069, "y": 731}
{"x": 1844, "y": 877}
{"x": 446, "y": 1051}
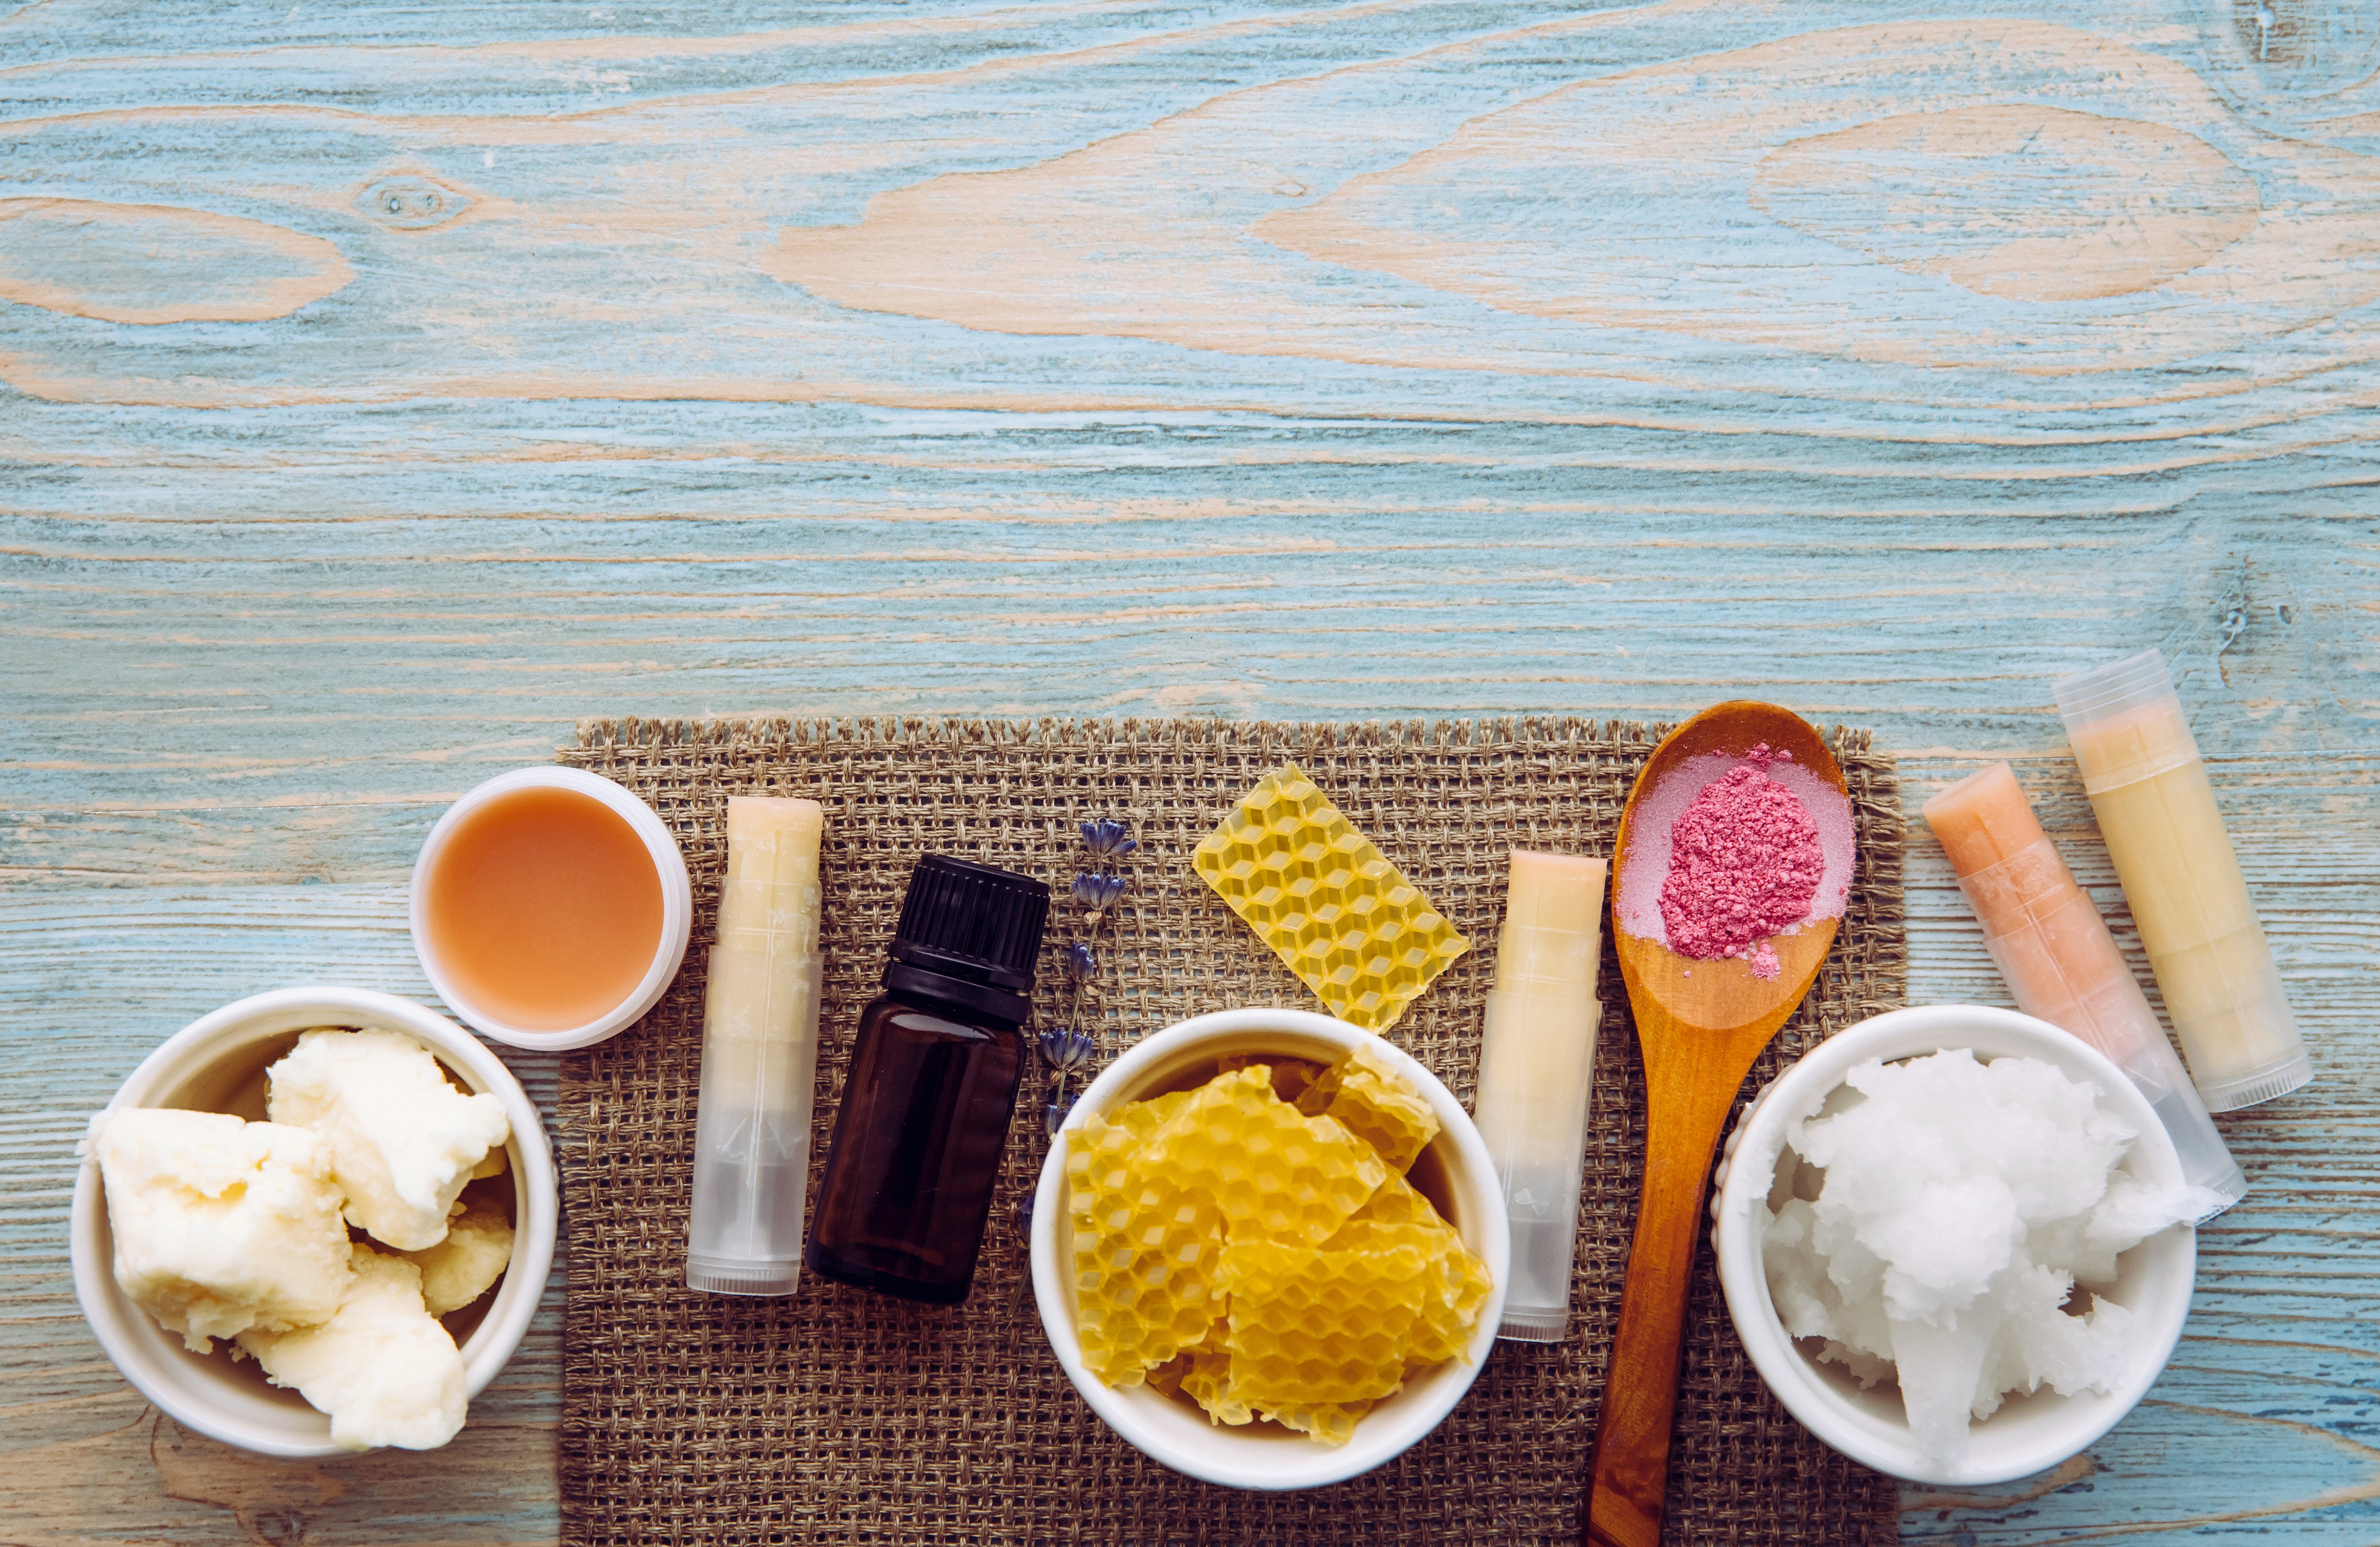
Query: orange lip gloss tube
{"x": 2061, "y": 963}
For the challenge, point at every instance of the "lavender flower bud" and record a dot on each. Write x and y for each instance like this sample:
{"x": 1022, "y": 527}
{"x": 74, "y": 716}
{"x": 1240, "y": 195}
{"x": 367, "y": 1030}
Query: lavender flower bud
{"x": 1108, "y": 839}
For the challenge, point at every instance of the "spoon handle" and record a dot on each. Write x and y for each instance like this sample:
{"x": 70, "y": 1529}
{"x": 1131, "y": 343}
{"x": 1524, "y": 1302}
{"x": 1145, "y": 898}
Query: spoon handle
{"x": 1628, "y": 1470}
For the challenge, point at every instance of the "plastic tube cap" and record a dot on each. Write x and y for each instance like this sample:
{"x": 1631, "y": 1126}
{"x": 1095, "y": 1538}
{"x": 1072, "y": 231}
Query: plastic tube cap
{"x": 2104, "y": 691}
{"x": 722, "y": 1275}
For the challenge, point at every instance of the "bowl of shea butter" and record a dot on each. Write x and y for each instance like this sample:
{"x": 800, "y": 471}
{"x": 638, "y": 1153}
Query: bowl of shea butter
{"x": 314, "y": 1222}
{"x": 1269, "y": 1248}
{"x": 1956, "y": 1242}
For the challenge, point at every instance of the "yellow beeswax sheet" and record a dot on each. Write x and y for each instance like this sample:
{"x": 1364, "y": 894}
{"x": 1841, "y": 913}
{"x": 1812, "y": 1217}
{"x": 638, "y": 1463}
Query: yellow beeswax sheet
{"x": 1146, "y": 1247}
{"x": 1274, "y": 1172}
{"x": 1261, "y": 1260}
{"x": 1365, "y": 1092}
{"x": 1326, "y": 900}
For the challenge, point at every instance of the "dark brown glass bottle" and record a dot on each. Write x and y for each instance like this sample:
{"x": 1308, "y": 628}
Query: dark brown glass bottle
{"x": 932, "y": 1083}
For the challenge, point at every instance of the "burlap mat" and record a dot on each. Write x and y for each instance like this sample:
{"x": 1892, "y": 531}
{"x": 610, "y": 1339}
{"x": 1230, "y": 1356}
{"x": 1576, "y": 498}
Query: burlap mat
{"x": 837, "y": 1415}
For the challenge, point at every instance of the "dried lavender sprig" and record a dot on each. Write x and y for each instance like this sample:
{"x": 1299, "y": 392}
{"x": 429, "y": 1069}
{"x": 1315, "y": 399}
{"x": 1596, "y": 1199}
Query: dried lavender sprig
{"x": 1097, "y": 892}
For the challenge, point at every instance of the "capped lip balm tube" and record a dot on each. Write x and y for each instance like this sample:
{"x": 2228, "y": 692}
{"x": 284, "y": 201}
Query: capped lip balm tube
{"x": 1536, "y": 1072}
{"x": 2059, "y": 960}
{"x": 2156, "y": 808}
{"x": 759, "y": 1054}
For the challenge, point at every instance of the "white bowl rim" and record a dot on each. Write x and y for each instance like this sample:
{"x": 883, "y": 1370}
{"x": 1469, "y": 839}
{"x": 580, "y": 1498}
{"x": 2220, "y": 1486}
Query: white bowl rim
{"x": 1390, "y": 1434}
{"x": 118, "y": 1322}
{"x": 677, "y": 907}
{"x": 1912, "y": 1032}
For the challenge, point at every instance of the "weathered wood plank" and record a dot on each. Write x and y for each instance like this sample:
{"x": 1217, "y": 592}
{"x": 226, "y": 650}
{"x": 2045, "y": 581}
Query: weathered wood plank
{"x": 1110, "y": 190}
{"x": 1189, "y": 580}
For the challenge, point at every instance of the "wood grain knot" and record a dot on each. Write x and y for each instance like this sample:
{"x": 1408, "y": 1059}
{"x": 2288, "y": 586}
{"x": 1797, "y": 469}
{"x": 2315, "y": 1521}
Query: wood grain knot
{"x": 2029, "y": 203}
{"x": 152, "y": 263}
{"x": 411, "y": 202}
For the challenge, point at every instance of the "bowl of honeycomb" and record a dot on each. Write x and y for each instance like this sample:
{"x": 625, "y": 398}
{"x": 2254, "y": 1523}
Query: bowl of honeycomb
{"x": 1269, "y": 1248}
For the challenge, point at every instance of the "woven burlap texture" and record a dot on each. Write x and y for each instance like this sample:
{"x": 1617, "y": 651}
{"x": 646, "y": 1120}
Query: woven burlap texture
{"x": 837, "y": 1415}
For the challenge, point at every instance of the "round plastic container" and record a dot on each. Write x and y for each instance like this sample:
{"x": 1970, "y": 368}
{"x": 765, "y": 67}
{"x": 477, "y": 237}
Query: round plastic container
{"x": 677, "y": 909}
{"x": 1261, "y": 1456}
{"x": 2029, "y": 1433}
{"x": 217, "y": 1064}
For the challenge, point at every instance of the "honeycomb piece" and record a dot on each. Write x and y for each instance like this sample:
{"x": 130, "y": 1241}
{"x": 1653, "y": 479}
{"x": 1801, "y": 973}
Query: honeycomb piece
{"x": 1326, "y": 900}
{"x": 1459, "y": 1284}
{"x": 1208, "y": 1380}
{"x": 1330, "y": 1423}
{"x": 1431, "y": 1237}
{"x": 1139, "y": 1119}
{"x": 1463, "y": 1283}
{"x": 1460, "y": 1281}
{"x": 1395, "y": 1202}
{"x": 1146, "y": 1245}
{"x": 1290, "y": 1076}
{"x": 1377, "y": 1103}
{"x": 1309, "y": 1325}
{"x": 1167, "y": 1376}
{"x": 1275, "y": 1173}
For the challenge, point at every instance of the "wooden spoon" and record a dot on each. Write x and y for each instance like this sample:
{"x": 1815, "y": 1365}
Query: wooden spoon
{"x": 1700, "y": 1025}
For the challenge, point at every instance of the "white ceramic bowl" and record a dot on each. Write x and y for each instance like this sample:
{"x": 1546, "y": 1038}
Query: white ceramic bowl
{"x": 216, "y": 1063}
{"x": 1263, "y": 1456}
{"x": 677, "y": 909}
{"x": 2030, "y": 1433}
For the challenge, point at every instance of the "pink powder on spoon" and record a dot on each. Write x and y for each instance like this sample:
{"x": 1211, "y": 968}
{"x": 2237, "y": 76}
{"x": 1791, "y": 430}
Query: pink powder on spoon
{"x": 1729, "y": 852}
{"x": 1745, "y": 863}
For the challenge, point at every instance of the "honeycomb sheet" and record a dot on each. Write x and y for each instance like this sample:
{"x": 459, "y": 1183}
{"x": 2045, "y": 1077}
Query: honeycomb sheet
{"x": 1326, "y": 900}
{"x": 1274, "y": 1171}
{"x": 1146, "y": 1247}
{"x": 1365, "y": 1092}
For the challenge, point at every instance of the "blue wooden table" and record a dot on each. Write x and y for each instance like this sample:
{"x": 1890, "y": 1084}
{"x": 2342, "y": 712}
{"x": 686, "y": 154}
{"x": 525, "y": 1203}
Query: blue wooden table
{"x": 384, "y": 386}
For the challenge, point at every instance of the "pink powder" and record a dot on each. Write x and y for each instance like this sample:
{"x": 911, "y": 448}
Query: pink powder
{"x": 1721, "y": 848}
{"x": 1745, "y": 862}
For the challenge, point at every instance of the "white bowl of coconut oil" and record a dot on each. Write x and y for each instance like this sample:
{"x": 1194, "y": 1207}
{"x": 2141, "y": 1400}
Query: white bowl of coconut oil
{"x": 2030, "y": 1432}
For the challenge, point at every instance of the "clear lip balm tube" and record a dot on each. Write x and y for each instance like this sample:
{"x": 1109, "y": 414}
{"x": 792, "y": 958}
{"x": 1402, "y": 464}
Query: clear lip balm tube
{"x": 1536, "y": 1070}
{"x": 2156, "y": 808}
{"x": 759, "y": 1054}
{"x": 2052, "y": 947}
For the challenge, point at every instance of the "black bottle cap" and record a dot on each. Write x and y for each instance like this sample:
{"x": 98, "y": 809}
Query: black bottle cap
{"x": 969, "y": 933}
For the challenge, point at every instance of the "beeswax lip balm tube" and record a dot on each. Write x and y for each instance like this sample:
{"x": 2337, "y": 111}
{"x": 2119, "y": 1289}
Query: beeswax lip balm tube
{"x": 1536, "y": 1068}
{"x": 759, "y": 1054}
{"x": 2061, "y": 963}
{"x": 2141, "y": 766}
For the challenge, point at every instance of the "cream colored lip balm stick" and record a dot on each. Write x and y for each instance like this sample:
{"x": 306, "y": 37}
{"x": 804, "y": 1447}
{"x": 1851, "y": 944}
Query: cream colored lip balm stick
{"x": 2062, "y": 964}
{"x": 2142, "y": 768}
{"x": 759, "y": 1054}
{"x": 1536, "y": 1070}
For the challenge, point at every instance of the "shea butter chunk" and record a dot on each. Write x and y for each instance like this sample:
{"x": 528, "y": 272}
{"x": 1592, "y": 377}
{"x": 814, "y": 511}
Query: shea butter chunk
{"x": 458, "y": 1269}
{"x": 403, "y": 1140}
{"x": 220, "y": 1225}
{"x": 383, "y": 1367}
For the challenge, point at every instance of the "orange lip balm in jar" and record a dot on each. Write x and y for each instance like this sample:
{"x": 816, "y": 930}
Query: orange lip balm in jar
{"x": 550, "y": 907}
